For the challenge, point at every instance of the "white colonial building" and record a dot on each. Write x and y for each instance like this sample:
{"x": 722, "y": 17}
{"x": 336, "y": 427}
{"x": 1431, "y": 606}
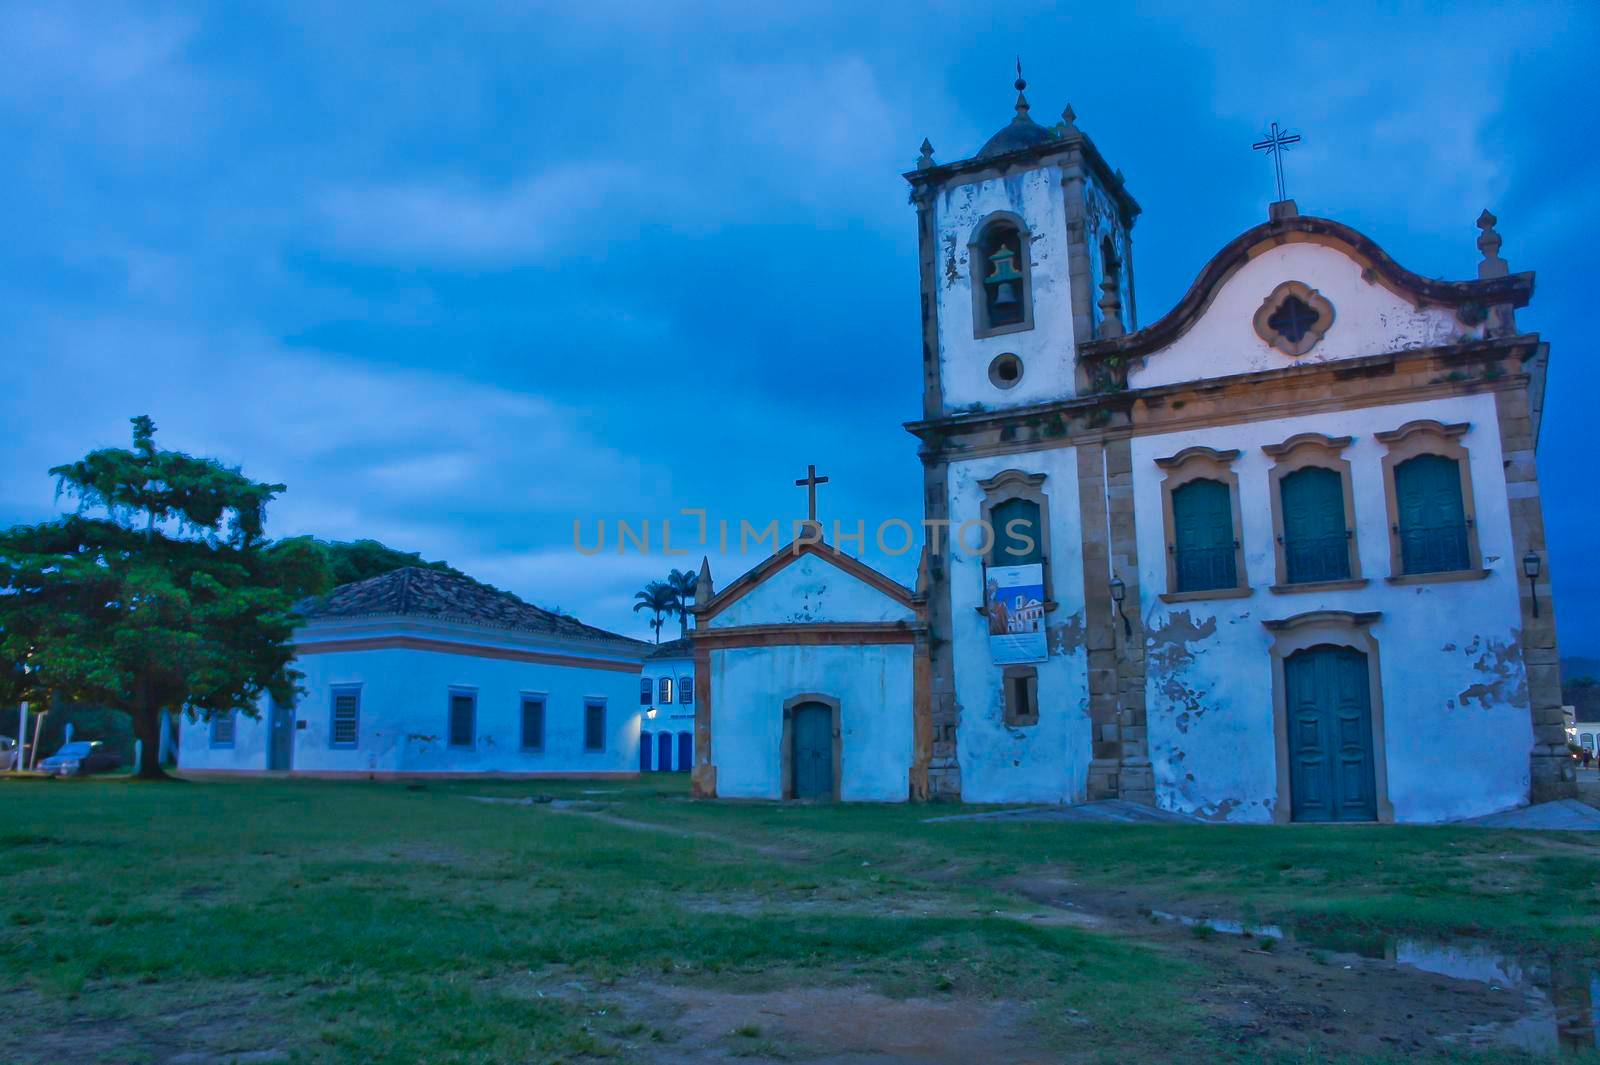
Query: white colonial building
{"x": 1290, "y": 532}
{"x": 423, "y": 672}
{"x": 667, "y": 703}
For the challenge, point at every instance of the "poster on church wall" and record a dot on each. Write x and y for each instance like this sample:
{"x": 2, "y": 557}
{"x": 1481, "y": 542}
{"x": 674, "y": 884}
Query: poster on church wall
{"x": 1014, "y": 601}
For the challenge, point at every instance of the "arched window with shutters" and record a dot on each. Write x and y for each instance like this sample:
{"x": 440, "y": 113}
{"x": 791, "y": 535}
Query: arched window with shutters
{"x": 1017, "y": 512}
{"x": 686, "y": 691}
{"x": 1313, "y": 513}
{"x": 1428, "y": 487}
{"x": 1002, "y": 281}
{"x": 664, "y": 693}
{"x": 646, "y": 689}
{"x": 1200, "y": 511}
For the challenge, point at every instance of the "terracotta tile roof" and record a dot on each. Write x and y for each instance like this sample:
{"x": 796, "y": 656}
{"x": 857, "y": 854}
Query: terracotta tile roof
{"x": 426, "y": 593}
{"x": 682, "y": 647}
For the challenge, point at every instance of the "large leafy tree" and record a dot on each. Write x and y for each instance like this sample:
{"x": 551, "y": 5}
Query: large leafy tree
{"x": 356, "y": 560}
{"x": 160, "y": 593}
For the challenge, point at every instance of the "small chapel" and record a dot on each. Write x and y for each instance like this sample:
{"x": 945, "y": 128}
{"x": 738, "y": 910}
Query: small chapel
{"x": 1277, "y": 555}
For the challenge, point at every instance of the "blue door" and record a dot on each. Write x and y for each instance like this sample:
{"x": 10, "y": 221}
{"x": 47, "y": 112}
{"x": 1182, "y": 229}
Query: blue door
{"x": 685, "y": 751}
{"x": 812, "y": 732}
{"x": 644, "y": 752}
{"x": 280, "y": 723}
{"x": 1330, "y": 736}
{"x": 663, "y": 752}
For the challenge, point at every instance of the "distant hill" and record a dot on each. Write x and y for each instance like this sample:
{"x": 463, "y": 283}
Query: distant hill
{"x": 1576, "y": 668}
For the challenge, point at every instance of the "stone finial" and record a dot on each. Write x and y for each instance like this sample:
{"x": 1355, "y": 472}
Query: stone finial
{"x": 925, "y": 160}
{"x": 1022, "y": 101}
{"x": 1278, "y": 210}
{"x": 1489, "y": 245}
{"x": 1068, "y": 118}
{"x": 1110, "y": 307}
{"x": 703, "y": 592}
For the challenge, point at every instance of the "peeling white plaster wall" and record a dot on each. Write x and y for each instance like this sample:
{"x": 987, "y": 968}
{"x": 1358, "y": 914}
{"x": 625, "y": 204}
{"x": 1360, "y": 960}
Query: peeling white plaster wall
{"x": 1049, "y": 761}
{"x": 873, "y": 685}
{"x": 405, "y": 694}
{"x": 1457, "y": 721}
{"x": 1045, "y": 350}
{"x": 1368, "y": 319}
{"x": 809, "y": 590}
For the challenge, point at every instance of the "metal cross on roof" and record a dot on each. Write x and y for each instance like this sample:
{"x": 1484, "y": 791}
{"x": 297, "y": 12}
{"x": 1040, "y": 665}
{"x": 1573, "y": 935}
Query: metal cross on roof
{"x": 809, "y": 482}
{"x": 1274, "y": 143}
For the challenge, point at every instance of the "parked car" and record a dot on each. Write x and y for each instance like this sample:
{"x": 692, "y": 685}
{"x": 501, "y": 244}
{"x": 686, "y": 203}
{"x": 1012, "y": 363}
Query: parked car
{"x": 8, "y": 752}
{"x": 78, "y": 759}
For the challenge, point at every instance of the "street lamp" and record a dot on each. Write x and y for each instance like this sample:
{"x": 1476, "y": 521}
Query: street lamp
{"x": 1530, "y": 566}
{"x": 1119, "y": 592}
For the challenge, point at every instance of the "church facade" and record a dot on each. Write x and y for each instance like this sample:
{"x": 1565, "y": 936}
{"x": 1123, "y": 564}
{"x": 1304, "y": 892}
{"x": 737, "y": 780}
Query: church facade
{"x": 1290, "y": 532}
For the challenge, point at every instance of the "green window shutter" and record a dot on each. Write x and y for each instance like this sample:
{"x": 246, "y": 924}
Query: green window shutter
{"x": 1016, "y": 550}
{"x": 532, "y": 724}
{"x": 463, "y": 714}
{"x": 1316, "y": 540}
{"x": 1433, "y": 523}
{"x": 594, "y": 726}
{"x": 1202, "y": 523}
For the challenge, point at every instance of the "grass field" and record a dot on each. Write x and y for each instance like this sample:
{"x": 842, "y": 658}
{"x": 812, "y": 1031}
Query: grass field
{"x": 288, "y": 920}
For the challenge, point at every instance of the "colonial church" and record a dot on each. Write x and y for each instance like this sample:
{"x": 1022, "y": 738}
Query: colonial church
{"x": 1276, "y": 556}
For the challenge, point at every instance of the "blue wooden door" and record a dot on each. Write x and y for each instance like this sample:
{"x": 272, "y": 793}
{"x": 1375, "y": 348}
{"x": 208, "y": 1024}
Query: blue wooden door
{"x": 645, "y": 741}
{"x": 1316, "y": 545}
{"x": 685, "y": 751}
{"x": 663, "y": 752}
{"x": 1331, "y": 774}
{"x": 1202, "y": 522}
{"x": 812, "y": 730}
{"x": 1433, "y": 524}
{"x": 280, "y": 722}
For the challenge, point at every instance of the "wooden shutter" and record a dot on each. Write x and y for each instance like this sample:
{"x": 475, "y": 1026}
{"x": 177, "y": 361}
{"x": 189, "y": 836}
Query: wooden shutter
{"x": 533, "y": 724}
{"x": 686, "y": 691}
{"x": 1202, "y": 522}
{"x": 463, "y": 711}
{"x": 1009, "y": 549}
{"x": 646, "y": 689}
{"x": 1433, "y": 524}
{"x": 594, "y": 726}
{"x": 1316, "y": 540}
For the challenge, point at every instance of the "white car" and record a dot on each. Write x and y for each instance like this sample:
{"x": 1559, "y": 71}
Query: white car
{"x": 79, "y": 758}
{"x": 8, "y": 753}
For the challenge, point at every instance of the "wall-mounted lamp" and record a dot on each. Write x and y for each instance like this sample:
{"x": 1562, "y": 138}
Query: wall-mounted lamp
{"x": 1119, "y": 592}
{"x": 1530, "y": 566}
{"x": 651, "y": 713}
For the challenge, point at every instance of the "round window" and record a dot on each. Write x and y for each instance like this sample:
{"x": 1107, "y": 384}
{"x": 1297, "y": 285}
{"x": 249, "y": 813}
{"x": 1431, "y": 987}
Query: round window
{"x": 1005, "y": 371}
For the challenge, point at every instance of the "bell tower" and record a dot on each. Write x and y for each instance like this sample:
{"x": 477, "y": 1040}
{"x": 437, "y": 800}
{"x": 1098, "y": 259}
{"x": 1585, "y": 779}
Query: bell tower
{"x": 1026, "y": 251}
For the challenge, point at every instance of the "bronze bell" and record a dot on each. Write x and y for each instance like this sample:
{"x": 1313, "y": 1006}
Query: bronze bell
{"x": 1005, "y": 294}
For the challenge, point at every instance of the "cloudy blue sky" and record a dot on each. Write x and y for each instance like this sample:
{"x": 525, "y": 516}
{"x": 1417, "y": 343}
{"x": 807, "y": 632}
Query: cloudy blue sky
{"x": 460, "y": 273}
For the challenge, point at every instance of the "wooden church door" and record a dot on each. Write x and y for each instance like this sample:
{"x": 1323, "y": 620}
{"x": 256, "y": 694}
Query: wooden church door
{"x": 1331, "y": 774}
{"x": 813, "y": 751}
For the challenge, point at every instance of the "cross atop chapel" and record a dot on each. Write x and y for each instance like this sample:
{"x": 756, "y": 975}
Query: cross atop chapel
{"x": 809, "y": 482}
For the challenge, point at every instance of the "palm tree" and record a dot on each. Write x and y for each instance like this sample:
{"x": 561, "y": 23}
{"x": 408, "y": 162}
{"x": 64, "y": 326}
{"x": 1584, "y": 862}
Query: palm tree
{"x": 682, "y": 583}
{"x": 659, "y": 600}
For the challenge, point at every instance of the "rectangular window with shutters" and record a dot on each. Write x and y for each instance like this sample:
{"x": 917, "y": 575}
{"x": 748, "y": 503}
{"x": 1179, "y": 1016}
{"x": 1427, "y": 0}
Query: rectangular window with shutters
{"x": 223, "y": 729}
{"x": 646, "y": 690}
{"x": 1203, "y": 541}
{"x": 1316, "y": 535}
{"x": 594, "y": 725}
{"x": 533, "y": 722}
{"x": 686, "y": 691}
{"x": 1428, "y": 488}
{"x": 463, "y": 719}
{"x": 345, "y": 730}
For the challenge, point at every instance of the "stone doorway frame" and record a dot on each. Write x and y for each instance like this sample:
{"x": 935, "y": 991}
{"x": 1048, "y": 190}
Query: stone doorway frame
{"x": 786, "y": 742}
{"x": 1339, "y": 628}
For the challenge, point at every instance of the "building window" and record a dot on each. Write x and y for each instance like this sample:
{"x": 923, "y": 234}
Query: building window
{"x": 594, "y": 725}
{"x": 665, "y": 691}
{"x": 1017, "y": 512}
{"x": 685, "y": 751}
{"x": 223, "y": 729}
{"x": 646, "y": 690}
{"x": 1200, "y": 509}
{"x": 1293, "y": 318}
{"x": 1428, "y": 487}
{"x": 346, "y": 728}
{"x": 1005, "y": 370}
{"x": 533, "y": 722}
{"x": 1002, "y": 283}
{"x": 686, "y": 691}
{"x": 463, "y": 719}
{"x": 1313, "y": 511}
{"x": 1586, "y": 741}
{"x": 1021, "y": 695}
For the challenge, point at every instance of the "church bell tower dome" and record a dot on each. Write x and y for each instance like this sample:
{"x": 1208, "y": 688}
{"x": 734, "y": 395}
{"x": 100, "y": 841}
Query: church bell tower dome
{"x": 1021, "y": 132}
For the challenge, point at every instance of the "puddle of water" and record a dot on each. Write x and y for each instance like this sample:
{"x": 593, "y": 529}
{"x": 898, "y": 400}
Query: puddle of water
{"x": 1563, "y": 996}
